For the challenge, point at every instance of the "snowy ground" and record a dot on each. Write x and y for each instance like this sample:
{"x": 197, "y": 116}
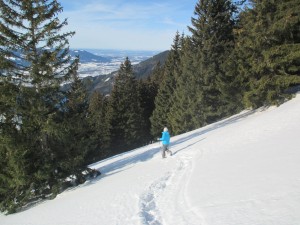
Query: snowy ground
{"x": 93, "y": 69}
{"x": 241, "y": 171}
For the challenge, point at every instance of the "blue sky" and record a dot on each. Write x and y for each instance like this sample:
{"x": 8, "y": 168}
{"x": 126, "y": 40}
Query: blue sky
{"x": 126, "y": 24}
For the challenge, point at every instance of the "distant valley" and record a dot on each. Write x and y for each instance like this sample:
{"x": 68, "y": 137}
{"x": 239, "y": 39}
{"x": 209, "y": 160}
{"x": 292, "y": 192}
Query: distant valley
{"x": 96, "y": 62}
{"x": 98, "y": 67}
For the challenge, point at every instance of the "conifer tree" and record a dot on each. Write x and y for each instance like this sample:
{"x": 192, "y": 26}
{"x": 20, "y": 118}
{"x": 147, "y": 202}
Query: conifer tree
{"x": 185, "y": 115}
{"x": 269, "y": 50}
{"x": 147, "y": 95}
{"x": 71, "y": 133}
{"x": 33, "y": 64}
{"x": 213, "y": 40}
{"x": 157, "y": 76}
{"x": 163, "y": 100}
{"x": 124, "y": 111}
{"x": 148, "y": 91}
{"x": 100, "y": 138}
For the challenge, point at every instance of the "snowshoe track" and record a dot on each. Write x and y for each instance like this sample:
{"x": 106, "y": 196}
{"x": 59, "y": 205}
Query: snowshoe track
{"x": 150, "y": 213}
{"x": 157, "y": 204}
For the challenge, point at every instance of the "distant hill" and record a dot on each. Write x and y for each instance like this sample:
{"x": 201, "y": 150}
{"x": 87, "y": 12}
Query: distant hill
{"x": 104, "y": 83}
{"x": 85, "y": 56}
{"x": 144, "y": 68}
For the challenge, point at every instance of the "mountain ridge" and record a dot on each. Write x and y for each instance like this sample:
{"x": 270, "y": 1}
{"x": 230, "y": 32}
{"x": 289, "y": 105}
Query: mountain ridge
{"x": 85, "y": 56}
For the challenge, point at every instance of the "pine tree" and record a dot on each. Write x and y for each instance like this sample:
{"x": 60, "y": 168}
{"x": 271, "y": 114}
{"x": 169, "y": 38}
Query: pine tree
{"x": 185, "y": 115}
{"x": 100, "y": 137}
{"x": 213, "y": 40}
{"x": 71, "y": 134}
{"x": 163, "y": 100}
{"x": 124, "y": 111}
{"x": 33, "y": 64}
{"x": 148, "y": 89}
{"x": 269, "y": 50}
{"x": 14, "y": 175}
{"x": 157, "y": 77}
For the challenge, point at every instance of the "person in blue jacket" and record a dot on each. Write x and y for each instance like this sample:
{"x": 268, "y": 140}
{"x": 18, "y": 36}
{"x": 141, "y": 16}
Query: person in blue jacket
{"x": 165, "y": 138}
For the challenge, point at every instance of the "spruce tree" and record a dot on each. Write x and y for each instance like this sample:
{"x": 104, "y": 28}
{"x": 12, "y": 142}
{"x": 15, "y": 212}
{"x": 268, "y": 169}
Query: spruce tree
{"x": 14, "y": 174}
{"x": 185, "y": 115}
{"x": 213, "y": 40}
{"x": 71, "y": 134}
{"x": 124, "y": 111}
{"x": 33, "y": 64}
{"x": 163, "y": 100}
{"x": 146, "y": 92}
{"x": 100, "y": 138}
{"x": 269, "y": 50}
{"x": 157, "y": 76}
{"x": 148, "y": 89}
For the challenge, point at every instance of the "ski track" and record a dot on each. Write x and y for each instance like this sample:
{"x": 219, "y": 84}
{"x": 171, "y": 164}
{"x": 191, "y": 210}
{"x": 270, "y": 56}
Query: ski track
{"x": 168, "y": 195}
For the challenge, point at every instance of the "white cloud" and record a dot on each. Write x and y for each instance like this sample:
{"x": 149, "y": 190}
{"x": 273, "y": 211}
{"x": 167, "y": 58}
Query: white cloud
{"x": 126, "y": 25}
{"x": 108, "y": 37}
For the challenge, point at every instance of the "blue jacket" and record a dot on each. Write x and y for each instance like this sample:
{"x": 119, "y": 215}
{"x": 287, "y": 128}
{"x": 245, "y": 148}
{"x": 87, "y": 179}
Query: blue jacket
{"x": 165, "y": 138}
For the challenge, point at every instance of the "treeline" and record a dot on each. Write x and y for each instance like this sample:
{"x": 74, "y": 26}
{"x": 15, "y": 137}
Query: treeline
{"x": 234, "y": 58}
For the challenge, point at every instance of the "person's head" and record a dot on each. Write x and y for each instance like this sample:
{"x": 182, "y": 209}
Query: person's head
{"x": 165, "y": 129}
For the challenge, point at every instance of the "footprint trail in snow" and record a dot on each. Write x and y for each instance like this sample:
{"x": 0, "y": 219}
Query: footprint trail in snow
{"x": 157, "y": 204}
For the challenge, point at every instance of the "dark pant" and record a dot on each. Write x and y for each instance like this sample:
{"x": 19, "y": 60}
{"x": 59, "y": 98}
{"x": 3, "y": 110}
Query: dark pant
{"x": 165, "y": 148}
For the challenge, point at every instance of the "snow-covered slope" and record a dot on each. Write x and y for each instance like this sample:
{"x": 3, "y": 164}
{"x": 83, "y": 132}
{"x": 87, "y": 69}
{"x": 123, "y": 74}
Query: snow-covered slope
{"x": 244, "y": 170}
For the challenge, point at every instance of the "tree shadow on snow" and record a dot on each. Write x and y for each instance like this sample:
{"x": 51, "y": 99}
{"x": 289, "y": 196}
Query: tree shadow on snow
{"x": 179, "y": 150}
{"x": 122, "y": 164}
{"x": 119, "y": 165}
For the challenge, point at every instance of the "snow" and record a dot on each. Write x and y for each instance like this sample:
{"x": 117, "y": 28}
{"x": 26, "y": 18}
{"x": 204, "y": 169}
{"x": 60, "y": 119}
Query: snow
{"x": 93, "y": 69}
{"x": 244, "y": 170}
